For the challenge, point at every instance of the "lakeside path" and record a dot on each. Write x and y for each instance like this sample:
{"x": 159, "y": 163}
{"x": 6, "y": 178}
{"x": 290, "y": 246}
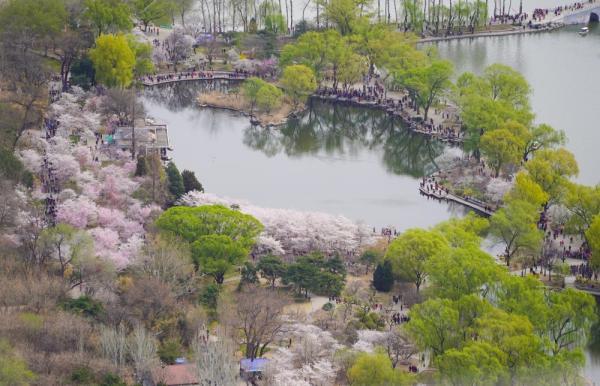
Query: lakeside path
{"x": 487, "y": 34}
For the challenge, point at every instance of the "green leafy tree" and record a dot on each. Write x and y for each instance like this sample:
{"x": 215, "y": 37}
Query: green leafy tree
{"x": 216, "y": 254}
{"x": 190, "y": 182}
{"x": 526, "y": 189}
{"x": 465, "y": 232}
{"x": 434, "y": 325}
{"x": 33, "y": 21}
{"x": 515, "y": 226}
{"x": 409, "y": 253}
{"x": 108, "y": 16}
{"x": 317, "y": 50}
{"x": 344, "y": 14}
{"x": 383, "y": 277}
{"x": 478, "y": 363}
{"x": 376, "y": 369}
{"x": 275, "y": 24}
{"x": 114, "y": 61}
{"x": 176, "y": 187}
{"x": 570, "y": 316}
{"x": 268, "y": 97}
{"x": 250, "y": 90}
{"x": 431, "y": 82}
{"x": 299, "y": 82}
{"x": 150, "y": 11}
{"x": 583, "y": 202}
{"x": 551, "y": 169}
{"x": 193, "y": 223}
{"x": 143, "y": 56}
{"x": 271, "y": 268}
{"x": 501, "y": 148}
{"x": 369, "y": 258}
{"x": 462, "y": 271}
{"x": 592, "y": 235}
{"x": 543, "y": 137}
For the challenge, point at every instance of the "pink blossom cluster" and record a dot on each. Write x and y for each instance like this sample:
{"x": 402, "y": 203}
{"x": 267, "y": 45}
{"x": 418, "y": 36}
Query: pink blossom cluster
{"x": 99, "y": 195}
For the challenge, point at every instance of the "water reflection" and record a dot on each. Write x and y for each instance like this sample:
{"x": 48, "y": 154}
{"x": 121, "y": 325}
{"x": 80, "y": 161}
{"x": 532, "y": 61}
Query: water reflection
{"x": 338, "y": 131}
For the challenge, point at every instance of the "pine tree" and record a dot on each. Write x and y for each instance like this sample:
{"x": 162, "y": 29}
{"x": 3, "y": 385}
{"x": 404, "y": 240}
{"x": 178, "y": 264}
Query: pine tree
{"x": 383, "y": 279}
{"x": 190, "y": 182}
{"x": 175, "y": 181}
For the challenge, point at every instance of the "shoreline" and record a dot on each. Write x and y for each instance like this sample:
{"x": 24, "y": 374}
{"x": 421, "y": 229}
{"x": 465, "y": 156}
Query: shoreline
{"x": 236, "y": 103}
{"x": 490, "y": 34}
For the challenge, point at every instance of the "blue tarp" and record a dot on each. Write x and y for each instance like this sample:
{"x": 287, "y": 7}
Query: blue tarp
{"x": 253, "y": 366}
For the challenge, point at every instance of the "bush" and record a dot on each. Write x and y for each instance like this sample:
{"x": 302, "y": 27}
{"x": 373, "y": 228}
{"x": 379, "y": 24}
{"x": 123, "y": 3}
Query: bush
{"x": 112, "y": 380}
{"x": 83, "y": 376}
{"x": 209, "y": 297}
{"x": 84, "y": 305}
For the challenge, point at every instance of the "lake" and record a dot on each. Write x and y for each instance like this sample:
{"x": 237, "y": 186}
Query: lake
{"x": 336, "y": 159}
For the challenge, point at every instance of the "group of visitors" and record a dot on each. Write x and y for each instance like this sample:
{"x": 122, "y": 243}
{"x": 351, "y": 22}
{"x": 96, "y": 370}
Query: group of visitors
{"x": 430, "y": 186}
{"x": 398, "y": 318}
{"x": 190, "y": 75}
{"x": 151, "y": 30}
{"x": 48, "y": 179}
{"x": 540, "y": 14}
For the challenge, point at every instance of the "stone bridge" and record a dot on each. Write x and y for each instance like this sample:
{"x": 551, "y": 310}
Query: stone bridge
{"x": 590, "y": 12}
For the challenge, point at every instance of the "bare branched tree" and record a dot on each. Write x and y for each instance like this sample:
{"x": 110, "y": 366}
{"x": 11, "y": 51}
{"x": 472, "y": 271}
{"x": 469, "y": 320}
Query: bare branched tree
{"x": 215, "y": 363}
{"x": 169, "y": 260}
{"x": 113, "y": 342}
{"x": 258, "y": 317}
{"x": 142, "y": 351}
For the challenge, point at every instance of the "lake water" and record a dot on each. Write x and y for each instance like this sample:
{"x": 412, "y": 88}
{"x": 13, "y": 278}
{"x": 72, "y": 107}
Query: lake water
{"x": 341, "y": 160}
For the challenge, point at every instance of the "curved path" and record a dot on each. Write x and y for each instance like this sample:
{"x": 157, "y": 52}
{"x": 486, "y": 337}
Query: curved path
{"x": 154, "y": 80}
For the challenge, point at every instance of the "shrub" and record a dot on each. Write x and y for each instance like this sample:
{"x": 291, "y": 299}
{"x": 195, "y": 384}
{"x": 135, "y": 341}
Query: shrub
{"x": 84, "y": 305}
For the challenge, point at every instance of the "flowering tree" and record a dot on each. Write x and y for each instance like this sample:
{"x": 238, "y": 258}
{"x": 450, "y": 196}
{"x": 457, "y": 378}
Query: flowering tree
{"x": 296, "y": 232}
{"x": 309, "y": 361}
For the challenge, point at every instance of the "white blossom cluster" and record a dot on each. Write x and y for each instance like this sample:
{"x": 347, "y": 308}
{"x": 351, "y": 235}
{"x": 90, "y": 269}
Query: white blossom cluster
{"x": 293, "y": 232}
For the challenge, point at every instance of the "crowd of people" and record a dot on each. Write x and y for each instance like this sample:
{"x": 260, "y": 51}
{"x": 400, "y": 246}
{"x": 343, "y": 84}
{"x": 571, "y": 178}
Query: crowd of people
{"x": 540, "y": 14}
{"x": 48, "y": 179}
{"x": 403, "y": 107}
{"x": 190, "y": 75}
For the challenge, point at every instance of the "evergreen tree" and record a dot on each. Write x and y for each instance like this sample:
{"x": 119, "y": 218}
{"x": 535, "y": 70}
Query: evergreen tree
{"x": 190, "y": 182}
{"x": 383, "y": 278}
{"x": 175, "y": 181}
